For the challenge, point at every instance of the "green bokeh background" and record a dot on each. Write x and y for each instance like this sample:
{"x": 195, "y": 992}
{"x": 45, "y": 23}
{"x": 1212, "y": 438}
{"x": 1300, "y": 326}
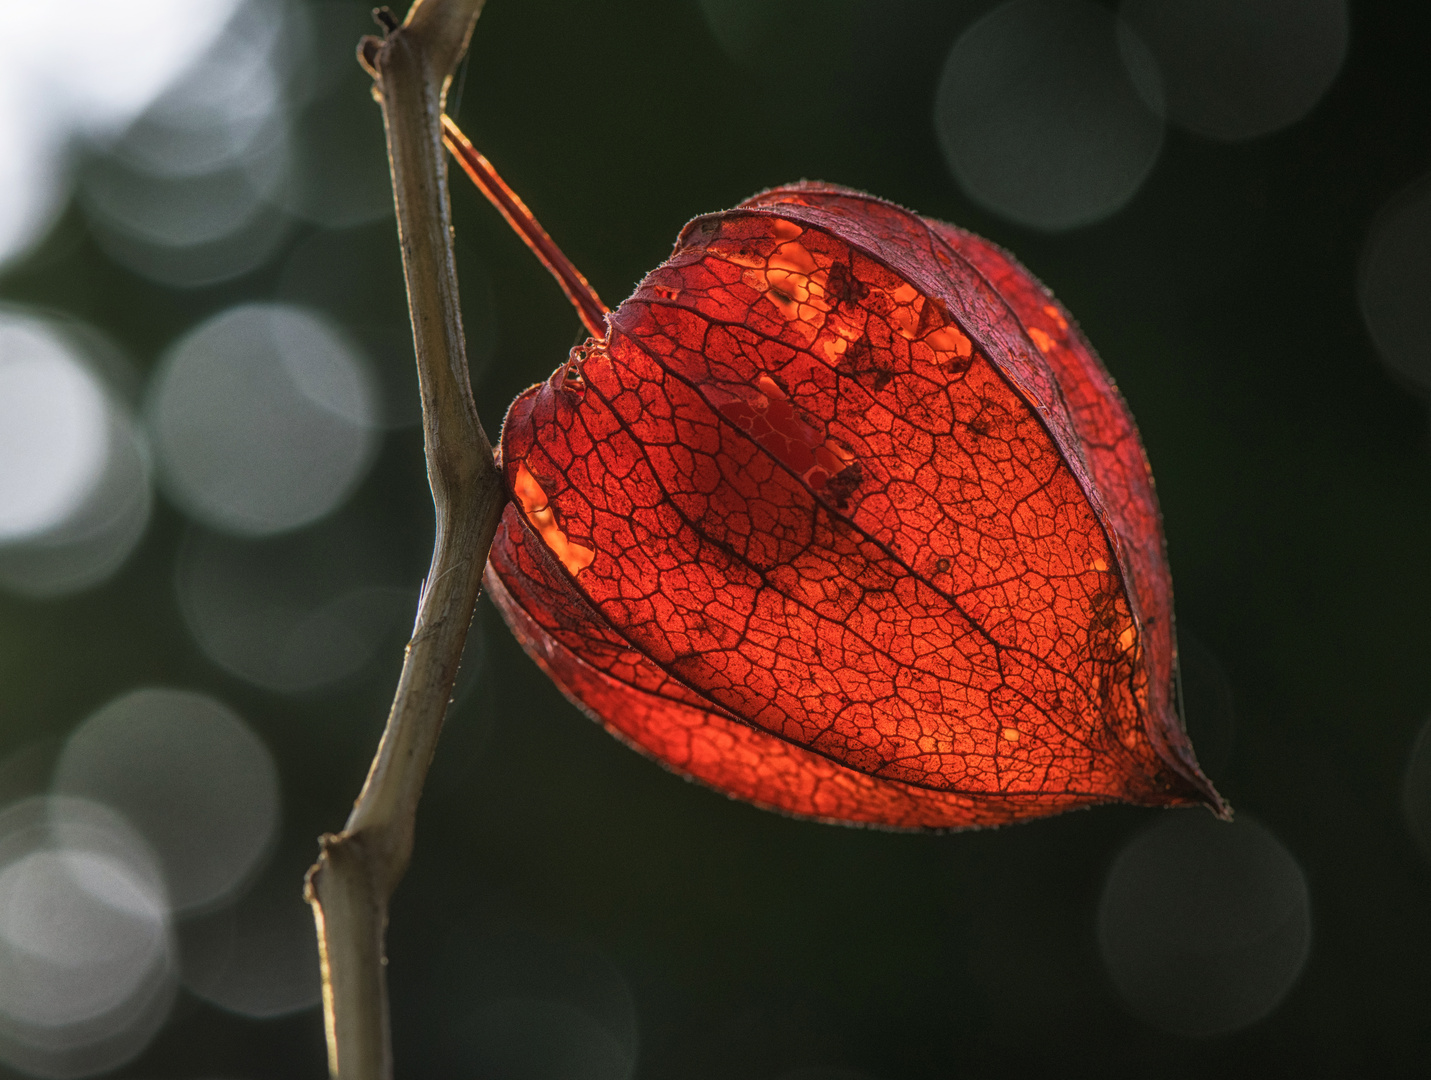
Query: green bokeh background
{"x": 1293, "y": 473}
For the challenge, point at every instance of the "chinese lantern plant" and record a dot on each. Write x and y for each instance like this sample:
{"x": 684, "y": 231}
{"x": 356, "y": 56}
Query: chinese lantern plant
{"x": 841, "y": 515}
{"x": 838, "y": 513}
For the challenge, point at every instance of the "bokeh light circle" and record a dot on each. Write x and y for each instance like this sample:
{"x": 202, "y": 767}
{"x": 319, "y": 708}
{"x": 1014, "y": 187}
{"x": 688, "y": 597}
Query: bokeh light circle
{"x": 189, "y": 194}
{"x": 1394, "y": 283}
{"x": 355, "y": 277}
{"x": 1237, "y": 69}
{"x": 87, "y": 971}
{"x": 190, "y": 775}
{"x": 75, "y": 490}
{"x": 94, "y": 542}
{"x": 1416, "y": 790}
{"x": 1039, "y": 118}
{"x": 258, "y": 957}
{"x": 292, "y": 613}
{"x": 1204, "y": 926}
{"x": 68, "y": 909}
{"x": 212, "y": 115}
{"x": 34, "y": 171}
{"x": 87, "y": 73}
{"x": 199, "y": 265}
{"x": 262, "y": 419}
{"x": 102, "y": 63}
{"x": 339, "y": 175}
{"x": 175, "y": 212}
{"x": 53, "y": 427}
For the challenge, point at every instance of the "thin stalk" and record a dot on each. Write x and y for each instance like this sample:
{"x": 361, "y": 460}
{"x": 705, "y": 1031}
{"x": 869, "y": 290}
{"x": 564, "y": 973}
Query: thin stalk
{"x": 351, "y": 884}
{"x": 480, "y": 171}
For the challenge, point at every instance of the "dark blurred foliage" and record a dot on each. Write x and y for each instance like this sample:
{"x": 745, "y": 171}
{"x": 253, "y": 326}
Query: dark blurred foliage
{"x": 1295, "y": 481}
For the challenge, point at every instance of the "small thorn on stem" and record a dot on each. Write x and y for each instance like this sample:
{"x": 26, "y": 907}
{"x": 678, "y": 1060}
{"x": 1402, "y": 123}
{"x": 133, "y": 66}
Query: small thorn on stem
{"x": 385, "y": 18}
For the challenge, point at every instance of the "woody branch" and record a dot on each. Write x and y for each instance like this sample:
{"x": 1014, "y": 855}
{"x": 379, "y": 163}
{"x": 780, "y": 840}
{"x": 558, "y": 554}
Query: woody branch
{"x": 359, "y": 868}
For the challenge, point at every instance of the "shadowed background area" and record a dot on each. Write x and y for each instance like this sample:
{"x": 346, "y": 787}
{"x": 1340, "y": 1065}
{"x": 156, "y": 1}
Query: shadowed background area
{"x": 214, "y": 519}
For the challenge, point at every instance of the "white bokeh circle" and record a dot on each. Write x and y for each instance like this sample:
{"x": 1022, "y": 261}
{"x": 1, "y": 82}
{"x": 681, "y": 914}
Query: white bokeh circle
{"x": 1204, "y": 926}
{"x": 1394, "y": 283}
{"x": 88, "y": 74}
{"x": 53, "y": 426}
{"x": 191, "y": 776}
{"x": 297, "y": 612}
{"x": 75, "y": 486}
{"x": 188, "y": 195}
{"x": 1039, "y": 118}
{"x": 258, "y": 956}
{"x": 1416, "y": 790}
{"x": 262, "y": 419}
{"x": 87, "y": 965}
{"x": 1237, "y": 69}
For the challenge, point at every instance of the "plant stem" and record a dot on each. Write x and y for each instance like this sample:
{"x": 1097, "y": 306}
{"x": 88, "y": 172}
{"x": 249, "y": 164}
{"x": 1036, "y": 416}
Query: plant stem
{"x": 572, "y": 281}
{"x": 358, "y": 869}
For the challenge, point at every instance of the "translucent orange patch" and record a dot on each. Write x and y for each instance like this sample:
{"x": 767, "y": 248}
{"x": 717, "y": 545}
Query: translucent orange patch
{"x": 542, "y": 517}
